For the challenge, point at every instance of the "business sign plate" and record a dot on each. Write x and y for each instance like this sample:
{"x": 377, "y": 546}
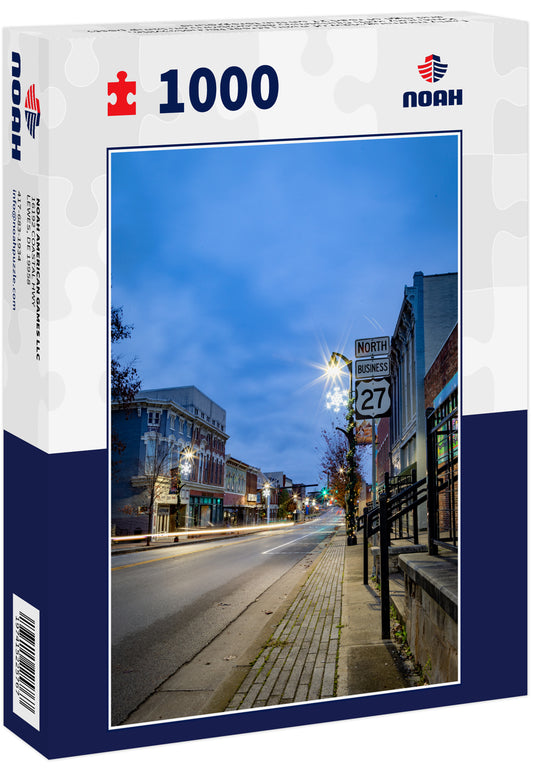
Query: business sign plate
{"x": 372, "y": 368}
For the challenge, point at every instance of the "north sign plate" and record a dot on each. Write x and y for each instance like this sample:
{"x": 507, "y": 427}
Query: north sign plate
{"x": 368, "y": 348}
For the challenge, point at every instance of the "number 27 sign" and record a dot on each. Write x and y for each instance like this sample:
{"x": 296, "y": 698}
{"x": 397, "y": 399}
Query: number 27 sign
{"x": 372, "y": 398}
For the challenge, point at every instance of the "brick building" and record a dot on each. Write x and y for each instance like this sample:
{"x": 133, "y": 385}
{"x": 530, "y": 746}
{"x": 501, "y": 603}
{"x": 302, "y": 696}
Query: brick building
{"x": 240, "y": 492}
{"x": 383, "y": 455}
{"x": 442, "y": 376}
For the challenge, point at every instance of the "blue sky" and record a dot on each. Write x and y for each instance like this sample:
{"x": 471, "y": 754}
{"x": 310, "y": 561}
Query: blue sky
{"x": 241, "y": 268}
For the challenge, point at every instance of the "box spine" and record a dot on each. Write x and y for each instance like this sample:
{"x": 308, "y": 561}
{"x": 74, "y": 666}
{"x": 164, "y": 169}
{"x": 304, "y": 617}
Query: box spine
{"x": 25, "y": 384}
{"x": 25, "y": 233}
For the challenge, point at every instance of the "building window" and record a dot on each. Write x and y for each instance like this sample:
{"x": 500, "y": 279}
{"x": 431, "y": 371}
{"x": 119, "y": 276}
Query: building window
{"x": 409, "y": 453}
{"x": 154, "y": 418}
{"x": 149, "y": 462}
{"x": 172, "y": 421}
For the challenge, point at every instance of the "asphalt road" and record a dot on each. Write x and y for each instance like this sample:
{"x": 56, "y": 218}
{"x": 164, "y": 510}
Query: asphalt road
{"x": 168, "y": 604}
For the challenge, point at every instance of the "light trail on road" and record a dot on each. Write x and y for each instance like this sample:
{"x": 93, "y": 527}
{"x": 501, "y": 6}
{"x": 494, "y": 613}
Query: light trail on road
{"x": 205, "y": 532}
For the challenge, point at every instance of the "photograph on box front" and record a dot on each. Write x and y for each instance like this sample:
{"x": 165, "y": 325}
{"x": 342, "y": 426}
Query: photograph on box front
{"x": 284, "y": 410}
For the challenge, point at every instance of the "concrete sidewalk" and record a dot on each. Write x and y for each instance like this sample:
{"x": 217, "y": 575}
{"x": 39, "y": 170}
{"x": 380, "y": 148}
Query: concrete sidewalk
{"x": 329, "y": 642}
{"x": 300, "y": 659}
{"x": 366, "y": 662}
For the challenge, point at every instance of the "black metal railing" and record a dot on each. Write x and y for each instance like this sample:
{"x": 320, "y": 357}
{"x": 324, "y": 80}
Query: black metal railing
{"x": 382, "y": 520}
{"x": 402, "y": 516}
{"x": 402, "y": 491}
{"x": 396, "y": 517}
{"x": 443, "y": 475}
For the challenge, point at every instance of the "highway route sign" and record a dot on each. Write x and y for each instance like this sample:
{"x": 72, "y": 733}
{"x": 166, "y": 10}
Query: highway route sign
{"x": 372, "y": 398}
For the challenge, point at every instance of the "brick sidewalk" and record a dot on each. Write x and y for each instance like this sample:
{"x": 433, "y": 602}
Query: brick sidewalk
{"x": 299, "y": 662}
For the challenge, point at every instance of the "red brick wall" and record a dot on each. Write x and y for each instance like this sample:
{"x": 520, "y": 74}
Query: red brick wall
{"x": 233, "y": 500}
{"x": 442, "y": 370}
{"x": 382, "y": 449}
{"x": 251, "y": 483}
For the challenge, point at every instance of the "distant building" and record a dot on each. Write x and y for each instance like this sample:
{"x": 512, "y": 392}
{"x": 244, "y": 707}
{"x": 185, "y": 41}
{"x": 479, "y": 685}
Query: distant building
{"x": 154, "y": 433}
{"x": 365, "y": 497}
{"x": 279, "y": 479}
{"x": 240, "y": 492}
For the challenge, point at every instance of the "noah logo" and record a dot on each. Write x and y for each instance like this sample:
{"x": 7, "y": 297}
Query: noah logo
{"x": 32, "y": 111}
{"x": 16, "y": 94}
{"x": 433, "y": 70}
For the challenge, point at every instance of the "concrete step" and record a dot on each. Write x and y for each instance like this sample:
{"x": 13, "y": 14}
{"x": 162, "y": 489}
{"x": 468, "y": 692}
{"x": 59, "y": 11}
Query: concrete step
{"x": 397, "y": 595}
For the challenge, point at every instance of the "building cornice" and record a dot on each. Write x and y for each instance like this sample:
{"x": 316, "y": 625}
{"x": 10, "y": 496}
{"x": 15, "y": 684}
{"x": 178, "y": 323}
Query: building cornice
{"x": 152, "y": 403}
{"x": 204, "y": 487}
{"x": 241, "y": 465}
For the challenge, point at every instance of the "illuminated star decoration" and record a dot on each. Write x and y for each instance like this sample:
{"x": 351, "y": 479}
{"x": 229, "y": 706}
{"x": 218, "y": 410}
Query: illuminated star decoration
{"x": 186, "y": 463}
{"x": 336, "y": 398}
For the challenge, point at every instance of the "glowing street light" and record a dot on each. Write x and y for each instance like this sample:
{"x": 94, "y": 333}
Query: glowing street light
{"x": 179, "y": 475}
{"x": 338, "y": 365}
{"x": 186, "y": 462}
{"x": 266, "y": 494}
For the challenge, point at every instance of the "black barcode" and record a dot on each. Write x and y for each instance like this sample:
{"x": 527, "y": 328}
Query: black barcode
{"x": 26, "y": 661}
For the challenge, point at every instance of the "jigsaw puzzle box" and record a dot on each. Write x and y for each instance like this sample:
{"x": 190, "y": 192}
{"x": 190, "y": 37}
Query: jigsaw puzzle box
{"x": 193, "y": 212}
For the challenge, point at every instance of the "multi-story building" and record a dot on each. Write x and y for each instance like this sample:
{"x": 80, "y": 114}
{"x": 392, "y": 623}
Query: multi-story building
{"x": 427, "y": 317}
{"x": 428, "y": 314}
{"x": 169, "y": 470}
{"x": 240, "y": 492}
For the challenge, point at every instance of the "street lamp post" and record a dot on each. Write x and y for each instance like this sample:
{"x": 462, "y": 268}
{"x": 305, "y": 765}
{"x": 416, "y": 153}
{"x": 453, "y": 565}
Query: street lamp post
{"x": 266, "y": 494}
{"x": 181, "y": 475}
{"x": 335, "y": 368}
{"x": 295, "y": 500}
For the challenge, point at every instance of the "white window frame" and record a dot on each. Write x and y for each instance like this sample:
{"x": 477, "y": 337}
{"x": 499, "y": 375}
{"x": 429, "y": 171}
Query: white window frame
{"x": 154, "y": 414}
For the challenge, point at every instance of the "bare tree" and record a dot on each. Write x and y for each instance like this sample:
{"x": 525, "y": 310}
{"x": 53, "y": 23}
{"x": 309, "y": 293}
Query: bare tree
{"x": 286, "y": 504}
{"x": 156, "y": 473}
{"x": 335, "y": 464}
{"x": 125, "y": 382}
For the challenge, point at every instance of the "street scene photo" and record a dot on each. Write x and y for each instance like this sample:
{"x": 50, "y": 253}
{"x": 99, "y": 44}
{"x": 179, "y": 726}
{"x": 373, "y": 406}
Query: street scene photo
{"x": 284, "y": 422}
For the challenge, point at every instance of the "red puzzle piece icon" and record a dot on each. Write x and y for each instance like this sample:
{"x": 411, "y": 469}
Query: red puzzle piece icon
{"x": 121, "y": 88}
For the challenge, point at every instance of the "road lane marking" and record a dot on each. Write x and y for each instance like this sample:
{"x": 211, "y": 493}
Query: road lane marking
{"x": 199, "y": 549}
{"x": 294, "y": 540}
